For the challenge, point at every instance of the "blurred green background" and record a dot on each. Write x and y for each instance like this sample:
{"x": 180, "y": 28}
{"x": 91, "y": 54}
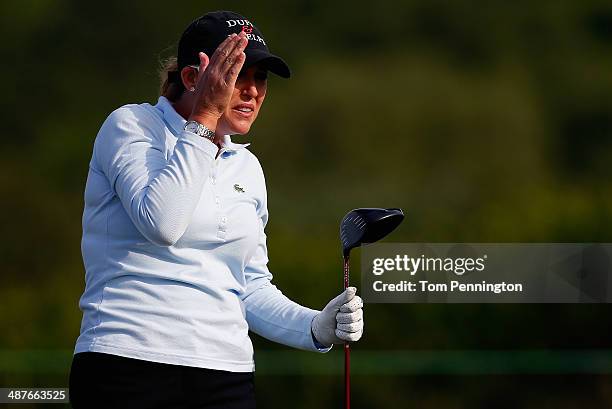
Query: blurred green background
{"x": 484, "y": 121}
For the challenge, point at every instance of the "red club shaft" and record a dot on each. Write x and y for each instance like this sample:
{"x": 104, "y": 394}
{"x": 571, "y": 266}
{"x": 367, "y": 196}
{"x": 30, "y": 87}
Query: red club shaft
{"x": 347, "y": 350}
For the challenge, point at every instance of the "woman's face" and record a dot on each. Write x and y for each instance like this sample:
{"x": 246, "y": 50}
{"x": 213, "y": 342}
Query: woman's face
{"x": 249, "y": 93}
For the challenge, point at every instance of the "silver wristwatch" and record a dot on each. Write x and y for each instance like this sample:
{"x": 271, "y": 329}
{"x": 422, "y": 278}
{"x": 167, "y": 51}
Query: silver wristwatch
{"x": 200, "y": 130}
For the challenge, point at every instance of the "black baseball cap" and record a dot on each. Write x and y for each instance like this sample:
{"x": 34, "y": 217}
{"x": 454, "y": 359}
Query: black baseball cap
{"x": 208, "y": 31}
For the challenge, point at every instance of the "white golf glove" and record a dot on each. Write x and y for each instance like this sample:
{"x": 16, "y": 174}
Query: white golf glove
{"x": 341, "y": 320}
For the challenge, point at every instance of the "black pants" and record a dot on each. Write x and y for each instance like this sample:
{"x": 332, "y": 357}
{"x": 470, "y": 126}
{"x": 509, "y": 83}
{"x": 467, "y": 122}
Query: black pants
{"x": 113, "y": 382}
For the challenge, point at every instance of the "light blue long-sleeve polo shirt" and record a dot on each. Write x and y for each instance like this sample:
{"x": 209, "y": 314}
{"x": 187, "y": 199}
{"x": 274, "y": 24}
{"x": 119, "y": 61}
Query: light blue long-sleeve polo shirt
{"x": 174, "y": 248}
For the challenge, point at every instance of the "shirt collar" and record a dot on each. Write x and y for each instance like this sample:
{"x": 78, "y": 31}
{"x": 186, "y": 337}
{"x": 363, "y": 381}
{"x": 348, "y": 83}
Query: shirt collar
{"x": 177, "y": 123}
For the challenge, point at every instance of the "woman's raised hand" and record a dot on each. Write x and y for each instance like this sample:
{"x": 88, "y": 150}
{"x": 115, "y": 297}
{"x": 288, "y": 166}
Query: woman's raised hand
{"x": 216, "y": 79}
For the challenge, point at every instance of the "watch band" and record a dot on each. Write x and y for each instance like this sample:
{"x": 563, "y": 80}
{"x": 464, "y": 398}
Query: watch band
{"x": 200, "y": 130}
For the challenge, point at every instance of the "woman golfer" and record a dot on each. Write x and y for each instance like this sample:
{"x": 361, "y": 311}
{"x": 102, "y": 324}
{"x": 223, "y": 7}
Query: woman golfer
{"x": 173, "y": 240}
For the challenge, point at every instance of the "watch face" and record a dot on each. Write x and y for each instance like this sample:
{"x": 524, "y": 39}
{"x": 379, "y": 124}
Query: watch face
{"x": 192, "y": 127}
{"x": 199, "y": 129}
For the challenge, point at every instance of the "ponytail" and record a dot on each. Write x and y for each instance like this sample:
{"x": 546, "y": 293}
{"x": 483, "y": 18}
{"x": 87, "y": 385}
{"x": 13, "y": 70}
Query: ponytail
{"x": 169, "y": 88}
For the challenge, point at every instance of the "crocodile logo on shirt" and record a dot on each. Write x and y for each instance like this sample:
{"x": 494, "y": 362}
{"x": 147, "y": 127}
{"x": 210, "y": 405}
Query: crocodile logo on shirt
{"x": 238, "y": 188}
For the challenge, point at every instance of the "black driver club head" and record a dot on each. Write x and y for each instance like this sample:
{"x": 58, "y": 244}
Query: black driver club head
{"x": 367, "y": 225}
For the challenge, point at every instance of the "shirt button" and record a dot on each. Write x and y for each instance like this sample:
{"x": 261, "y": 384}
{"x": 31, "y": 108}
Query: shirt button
{"x": 214, "y": 181}
{"x": 224, "y": 219}
{"x": 217, "y": 201}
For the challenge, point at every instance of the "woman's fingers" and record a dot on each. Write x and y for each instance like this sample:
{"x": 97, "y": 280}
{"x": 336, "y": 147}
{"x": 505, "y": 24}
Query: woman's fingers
{"x": 353, "y": 305}
{"x": 223, "y": 53}
{"x": 228, "y": 58}
{"x": 240, "y": 46}
{"x": 349, "y": 336}
{"x": 349, "y": 317}
{"x": 233, "y": 62}
{"x": 204, "y": 61}
{"x": 223, "y": 50}
{"x": 232, "y": 73}
{"x": 352, "y": 327}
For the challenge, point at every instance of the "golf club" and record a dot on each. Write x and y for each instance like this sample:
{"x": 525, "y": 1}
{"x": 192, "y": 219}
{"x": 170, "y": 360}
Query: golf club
{"x": 362, "y": 226}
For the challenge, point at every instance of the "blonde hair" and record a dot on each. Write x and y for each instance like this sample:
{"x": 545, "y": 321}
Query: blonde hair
{"x": 170, "y": 89}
